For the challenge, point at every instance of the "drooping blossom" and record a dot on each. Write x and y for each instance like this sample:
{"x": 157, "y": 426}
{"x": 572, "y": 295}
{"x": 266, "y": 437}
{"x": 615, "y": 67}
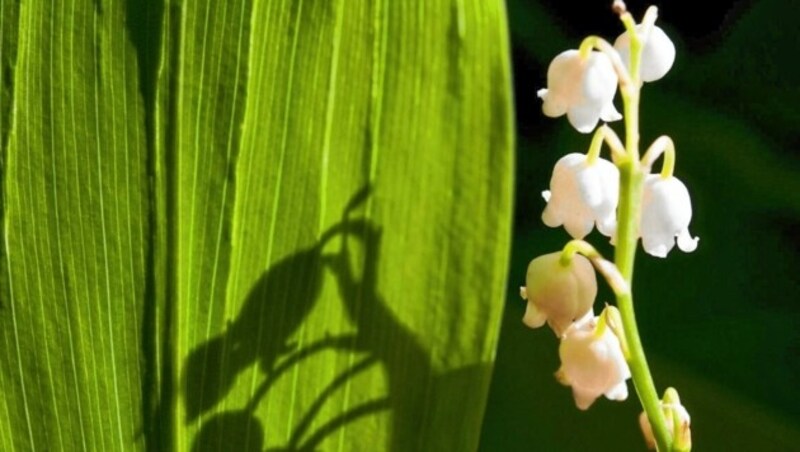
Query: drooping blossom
{"x": 666, "y": 214}
{"x": 658, "y": 52}
{"x": 592, "y": 363}
{"x": 583, "y": 89}
{"x": 581, "y": 195}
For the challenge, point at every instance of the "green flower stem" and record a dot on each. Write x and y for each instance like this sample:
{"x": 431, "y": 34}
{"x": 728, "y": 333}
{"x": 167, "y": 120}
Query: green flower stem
{"x": 640, "y": 372}
{"x": 629, "y": 212}
{"x": 631, "y": 182}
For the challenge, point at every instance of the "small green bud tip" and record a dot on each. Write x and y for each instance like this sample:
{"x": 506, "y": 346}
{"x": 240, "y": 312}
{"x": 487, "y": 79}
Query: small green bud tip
{"x": 671, "y": 396}
{"x": 678, "y": 417}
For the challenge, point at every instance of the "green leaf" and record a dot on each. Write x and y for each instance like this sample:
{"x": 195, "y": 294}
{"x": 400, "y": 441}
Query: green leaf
{"x": 251, "y": 225}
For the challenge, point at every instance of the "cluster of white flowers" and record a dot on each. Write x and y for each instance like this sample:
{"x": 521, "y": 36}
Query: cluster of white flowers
{"x": 585, "y": 192}
{"x": 583, "y": 87}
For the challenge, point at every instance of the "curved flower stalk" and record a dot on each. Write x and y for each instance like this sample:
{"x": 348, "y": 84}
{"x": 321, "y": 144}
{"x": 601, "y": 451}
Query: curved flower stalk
{"x": 581, "y": 88}
{"x": 582, "y": 194}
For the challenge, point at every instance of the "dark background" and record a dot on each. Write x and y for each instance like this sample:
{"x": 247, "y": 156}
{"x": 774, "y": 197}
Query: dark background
{"x": 720, "y": 324}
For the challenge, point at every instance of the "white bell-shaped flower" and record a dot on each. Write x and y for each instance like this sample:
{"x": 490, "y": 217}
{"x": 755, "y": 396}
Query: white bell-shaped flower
{"x": 592, "y": 364}
{"x": 558, "y": 294}
{"x": 581, "y": 195}
{"x": 582, "y": 89}
{"x": 658, "y": 53}
{"x": 666, "y": 213}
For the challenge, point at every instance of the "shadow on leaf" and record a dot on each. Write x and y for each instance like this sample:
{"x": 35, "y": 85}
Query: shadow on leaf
{"x": 282, "y": 298}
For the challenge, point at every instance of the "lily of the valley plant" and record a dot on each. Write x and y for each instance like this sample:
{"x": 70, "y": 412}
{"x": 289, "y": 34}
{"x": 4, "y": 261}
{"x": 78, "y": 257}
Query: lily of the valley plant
{"x": 625, "y": 201}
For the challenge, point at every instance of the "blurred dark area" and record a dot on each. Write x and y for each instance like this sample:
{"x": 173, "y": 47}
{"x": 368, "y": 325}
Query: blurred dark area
{"x": 720, "y": 324}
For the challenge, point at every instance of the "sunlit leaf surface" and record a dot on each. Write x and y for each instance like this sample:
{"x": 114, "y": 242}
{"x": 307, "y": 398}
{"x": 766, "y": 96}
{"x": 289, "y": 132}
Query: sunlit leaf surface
{"x": 251, "y": 225}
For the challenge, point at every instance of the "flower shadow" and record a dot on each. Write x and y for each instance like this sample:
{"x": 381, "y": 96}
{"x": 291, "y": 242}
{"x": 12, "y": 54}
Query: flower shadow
{"x": 283, "y": 298}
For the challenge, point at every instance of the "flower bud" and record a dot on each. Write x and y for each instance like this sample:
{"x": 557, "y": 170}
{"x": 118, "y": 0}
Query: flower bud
{"x": 581, "y": 195}
{"x": 592, "y": 363}
{"x": 658, "y": 53}
{"x": 666, "y": 213}
{"x": 678, "y": 423}
{"x": 583, "y": 89}
{"x": 558, "y": 294}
